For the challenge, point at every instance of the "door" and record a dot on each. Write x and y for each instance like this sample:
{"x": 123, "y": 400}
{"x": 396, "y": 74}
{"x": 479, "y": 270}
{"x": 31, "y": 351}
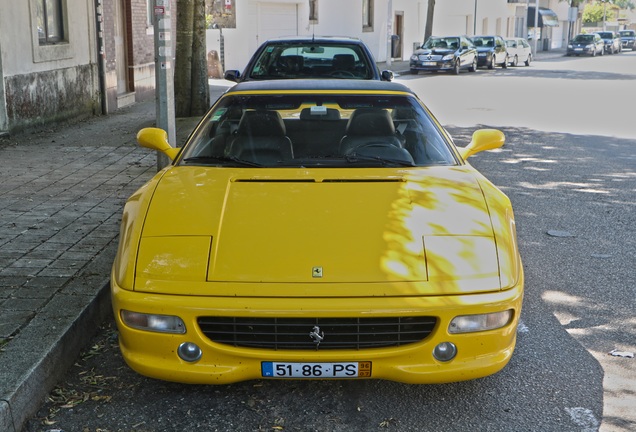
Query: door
{"x": 398, "y": 29}
{"x": 277, "y": 19}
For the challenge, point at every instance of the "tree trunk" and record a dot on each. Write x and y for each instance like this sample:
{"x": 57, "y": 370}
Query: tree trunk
{"x": 192, "y": 95}
{"x": 428, "y": 29}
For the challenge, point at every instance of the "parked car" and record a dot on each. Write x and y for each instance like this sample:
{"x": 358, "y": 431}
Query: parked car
{"x": 318, "y": 229}
{"x": 518, "y": 50}
{"x": 612, "y": 41}
{"x": 491, "y": 51}
{"x": 311, "y": 57}
{"x": 444, "y": 53}
{"x": 586, "y": 44}
{"x": 628, "y": 38}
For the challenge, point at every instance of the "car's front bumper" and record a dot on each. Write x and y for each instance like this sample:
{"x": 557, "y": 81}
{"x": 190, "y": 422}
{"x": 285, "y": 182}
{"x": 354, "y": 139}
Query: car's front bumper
{"x": 478, "y": 354}
{"x": 440, "y": 65}
{"x": 629, "y": 44}
{"x": 580, "y": 51}
{"x": 483, "y": 59}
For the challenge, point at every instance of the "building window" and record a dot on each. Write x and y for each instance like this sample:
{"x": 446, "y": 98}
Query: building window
{"x": 50, "y": 17}
{"x": 313, "y": 11}
{"x": 367, "y": 15}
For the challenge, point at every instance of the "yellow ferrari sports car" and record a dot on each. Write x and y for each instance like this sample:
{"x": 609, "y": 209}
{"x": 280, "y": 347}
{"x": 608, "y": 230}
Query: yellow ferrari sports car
{"x": 318, "y": 229}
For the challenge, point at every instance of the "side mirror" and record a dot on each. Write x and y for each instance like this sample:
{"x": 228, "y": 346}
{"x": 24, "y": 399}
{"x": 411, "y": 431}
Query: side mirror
{"x": 232, "y": 75}
{"x": 157, "y": 139}
{"x": 387, "y": 75}
{"x": 483, "y": 139}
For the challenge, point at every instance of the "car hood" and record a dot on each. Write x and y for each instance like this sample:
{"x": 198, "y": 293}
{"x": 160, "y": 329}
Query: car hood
{"x": 435, "y": 51}
{"x": 229, "y": 226}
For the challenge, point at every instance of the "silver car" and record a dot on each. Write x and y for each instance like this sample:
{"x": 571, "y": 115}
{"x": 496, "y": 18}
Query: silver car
{"x": 518, "y": 50}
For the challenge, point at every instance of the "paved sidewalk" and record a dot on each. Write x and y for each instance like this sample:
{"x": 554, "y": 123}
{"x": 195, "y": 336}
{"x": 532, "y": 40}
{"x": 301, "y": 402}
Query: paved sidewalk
{"x": 62, "y": 194}
{"x": 63, "y": 190}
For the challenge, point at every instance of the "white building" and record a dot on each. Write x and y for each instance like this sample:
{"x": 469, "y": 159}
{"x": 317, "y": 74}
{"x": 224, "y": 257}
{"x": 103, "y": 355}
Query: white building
{"x": 375, "y": 21}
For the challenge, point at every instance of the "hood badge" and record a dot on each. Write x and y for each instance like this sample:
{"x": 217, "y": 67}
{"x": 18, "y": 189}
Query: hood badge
{"x": 316, "y": 272}
{"x": 317, "y": 335}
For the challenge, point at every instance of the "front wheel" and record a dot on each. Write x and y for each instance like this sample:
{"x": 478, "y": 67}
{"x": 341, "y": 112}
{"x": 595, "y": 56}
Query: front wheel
{"x": 529, "y": 59}
{"x": 504, "y": 65}
{"x": 456, "y": 67}
{"x": 515, "y": 61}
{"x": 473, "y": 66}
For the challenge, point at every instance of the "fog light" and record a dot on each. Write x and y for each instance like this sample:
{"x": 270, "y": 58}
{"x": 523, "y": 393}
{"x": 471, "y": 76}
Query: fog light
{"x": 445, "y": 351}
{"x": 189, "y": 352}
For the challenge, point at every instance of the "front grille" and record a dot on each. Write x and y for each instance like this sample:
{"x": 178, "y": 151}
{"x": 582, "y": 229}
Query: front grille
{"x": 427, "y": 57}
{"x": 337, "y": 333}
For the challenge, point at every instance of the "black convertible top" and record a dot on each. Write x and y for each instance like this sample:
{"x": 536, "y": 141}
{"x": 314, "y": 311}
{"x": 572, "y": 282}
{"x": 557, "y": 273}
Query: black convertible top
{"x": 320, "y": 84}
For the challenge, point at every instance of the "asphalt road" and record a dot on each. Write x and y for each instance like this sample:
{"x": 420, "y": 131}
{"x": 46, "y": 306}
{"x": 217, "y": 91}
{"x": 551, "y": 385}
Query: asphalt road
{"x": 569, "y": 167}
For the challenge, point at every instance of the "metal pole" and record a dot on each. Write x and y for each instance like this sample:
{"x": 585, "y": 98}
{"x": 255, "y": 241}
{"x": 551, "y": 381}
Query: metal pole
{"x": 536, "y": 25}
{"x": 164, "y": 75}
{"x": 475, "y": 20}
{"x": 526, "y": 21}
{"x": 604, "y": 13}
{"x": 389, "y": 31}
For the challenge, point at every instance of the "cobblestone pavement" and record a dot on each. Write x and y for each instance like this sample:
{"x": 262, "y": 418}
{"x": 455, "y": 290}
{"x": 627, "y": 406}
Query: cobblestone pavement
{"x": 63, "y": 190}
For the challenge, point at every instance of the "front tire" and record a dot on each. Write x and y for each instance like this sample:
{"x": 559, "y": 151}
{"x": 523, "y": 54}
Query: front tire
{"x": 456, "y": 67}
{"x": 473, "y": 66}
{"x": 491, "y": 63}
{"x": 515, "y": 61}
{"x": 529, "y": 59}
{"x": 504, "y": 65}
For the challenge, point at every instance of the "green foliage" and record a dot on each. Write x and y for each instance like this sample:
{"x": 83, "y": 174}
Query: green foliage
{"x": 593, "y": 12}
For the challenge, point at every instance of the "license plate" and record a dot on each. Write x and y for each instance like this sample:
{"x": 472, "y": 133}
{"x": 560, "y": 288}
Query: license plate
{"x": 429, "y": 63}
{"x": 578, "y": 49}
{"x": 316, "y": 370}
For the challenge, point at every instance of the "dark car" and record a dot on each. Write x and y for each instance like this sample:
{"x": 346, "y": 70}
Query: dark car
{"x": 628, "y": 38}
{"x": 491, "y": 51}
{"x": 612, "y": 41}
{"x": 586, "y": 44}
{"x": 444, "y": 53}
{"x": 311, "y": 57}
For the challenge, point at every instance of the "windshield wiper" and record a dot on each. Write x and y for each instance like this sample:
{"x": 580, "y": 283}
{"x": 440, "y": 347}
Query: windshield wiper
{"x": 354, "y": 158}
{"x": 209, "y": 159}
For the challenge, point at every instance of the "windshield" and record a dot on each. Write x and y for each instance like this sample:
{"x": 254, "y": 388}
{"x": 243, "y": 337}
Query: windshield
{"x": 627, "y": 33}
{"x": 311, "y": 60}
{"x": 606, "y": 35}
{"x": 318, "y": 130}
{"x": 484, "y": 41}
{"x": 442, "y": 43}
{"x": 584, "y": 38}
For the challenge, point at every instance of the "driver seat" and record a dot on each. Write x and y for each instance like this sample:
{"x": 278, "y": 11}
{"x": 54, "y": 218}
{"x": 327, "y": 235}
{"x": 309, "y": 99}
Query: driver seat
{"x": 368, "y": 126}
{"x": 343, "y": 62}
